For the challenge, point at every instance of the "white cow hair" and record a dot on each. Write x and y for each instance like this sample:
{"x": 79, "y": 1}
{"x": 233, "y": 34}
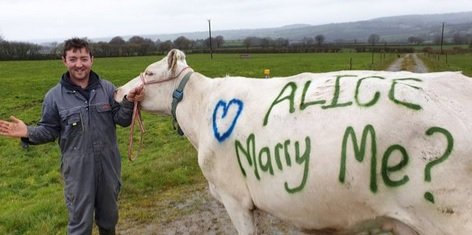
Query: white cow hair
{"x": 327, "y": 204}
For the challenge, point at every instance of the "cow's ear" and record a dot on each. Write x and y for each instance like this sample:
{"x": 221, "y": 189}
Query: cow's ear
{"x": 173, "y": 57}
{"x": 171, "y": 60}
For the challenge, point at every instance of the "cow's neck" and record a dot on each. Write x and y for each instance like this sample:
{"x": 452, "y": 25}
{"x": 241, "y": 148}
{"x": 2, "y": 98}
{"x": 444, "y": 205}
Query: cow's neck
{"x": 191, "y": 110}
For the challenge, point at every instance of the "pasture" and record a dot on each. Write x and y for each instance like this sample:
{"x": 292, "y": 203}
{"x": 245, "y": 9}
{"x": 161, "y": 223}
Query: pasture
{"x": 31, "y": 193}
{"x": 453, "y": 62}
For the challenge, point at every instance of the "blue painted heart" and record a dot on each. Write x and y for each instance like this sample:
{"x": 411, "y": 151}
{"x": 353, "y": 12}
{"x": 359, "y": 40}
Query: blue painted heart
{"x": 224, "y": 120}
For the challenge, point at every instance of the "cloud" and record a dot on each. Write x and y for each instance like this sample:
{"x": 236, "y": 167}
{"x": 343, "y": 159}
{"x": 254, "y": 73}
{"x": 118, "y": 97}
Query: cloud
{"x": 42, "y": 19}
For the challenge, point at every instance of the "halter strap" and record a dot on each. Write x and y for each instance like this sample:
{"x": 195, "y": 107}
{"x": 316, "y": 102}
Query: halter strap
{"x": 177, "y": 96}
{"x": 143, "y": 80}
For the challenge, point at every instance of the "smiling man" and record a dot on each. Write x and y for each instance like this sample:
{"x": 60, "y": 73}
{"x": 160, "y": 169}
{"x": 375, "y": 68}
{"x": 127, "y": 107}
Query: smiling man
{"x": 81, "y": 113}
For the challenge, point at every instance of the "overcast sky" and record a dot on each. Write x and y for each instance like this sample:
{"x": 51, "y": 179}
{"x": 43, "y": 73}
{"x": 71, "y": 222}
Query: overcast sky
{"x": 33, "y": 20}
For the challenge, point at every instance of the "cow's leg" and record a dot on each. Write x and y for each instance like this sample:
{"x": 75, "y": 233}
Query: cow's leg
{"x": 232, "y": 193}
{"x": 241, "y": 216}
{"x": 213, "y": 192}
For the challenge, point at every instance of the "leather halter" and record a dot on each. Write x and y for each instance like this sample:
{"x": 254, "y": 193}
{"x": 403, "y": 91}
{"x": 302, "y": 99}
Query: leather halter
{"x": 177, "y": 96}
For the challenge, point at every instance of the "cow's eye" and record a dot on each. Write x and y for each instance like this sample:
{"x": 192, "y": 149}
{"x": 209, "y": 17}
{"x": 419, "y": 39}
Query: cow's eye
{"x": 149, "y": 73}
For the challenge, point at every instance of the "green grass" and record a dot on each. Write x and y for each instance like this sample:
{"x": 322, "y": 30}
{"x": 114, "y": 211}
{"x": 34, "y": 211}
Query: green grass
{"x": 284, "y": 64}
{"x": 453, "y": 62}
{"x": 31, "y": 187}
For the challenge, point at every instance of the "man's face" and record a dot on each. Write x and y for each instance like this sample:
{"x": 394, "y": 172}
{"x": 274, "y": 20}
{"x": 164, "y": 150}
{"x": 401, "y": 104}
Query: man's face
{"x": 78, "y": 63}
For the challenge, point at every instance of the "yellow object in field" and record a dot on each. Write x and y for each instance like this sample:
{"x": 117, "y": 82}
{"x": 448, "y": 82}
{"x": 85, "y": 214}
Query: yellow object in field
{"x": 267, "y": 73}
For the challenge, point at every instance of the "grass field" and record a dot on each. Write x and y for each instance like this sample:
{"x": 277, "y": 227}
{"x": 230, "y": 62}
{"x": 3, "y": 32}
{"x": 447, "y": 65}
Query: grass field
{"x": 451, "y": 62}
{"x": 31, "y": 194}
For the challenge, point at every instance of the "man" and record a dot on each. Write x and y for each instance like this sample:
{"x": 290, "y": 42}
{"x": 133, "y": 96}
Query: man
{"x": 80, "y": 111}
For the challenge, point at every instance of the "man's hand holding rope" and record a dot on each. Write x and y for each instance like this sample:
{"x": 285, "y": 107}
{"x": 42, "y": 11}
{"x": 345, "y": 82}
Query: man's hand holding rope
{"x": 136, "y": 94}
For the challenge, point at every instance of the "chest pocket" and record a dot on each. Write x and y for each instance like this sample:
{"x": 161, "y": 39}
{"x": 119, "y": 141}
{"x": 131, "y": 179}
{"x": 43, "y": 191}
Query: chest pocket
{"x": 103, "y": 107}
{"x": 72, "y": 123}
{"x": 104, "y": 113}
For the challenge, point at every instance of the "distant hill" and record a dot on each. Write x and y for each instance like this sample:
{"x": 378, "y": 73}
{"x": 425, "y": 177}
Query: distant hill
{"x": 390, "y": 29}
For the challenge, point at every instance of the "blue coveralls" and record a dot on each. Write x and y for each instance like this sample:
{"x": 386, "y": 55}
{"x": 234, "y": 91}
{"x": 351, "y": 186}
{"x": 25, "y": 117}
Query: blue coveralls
{"x": 91, "y": 162}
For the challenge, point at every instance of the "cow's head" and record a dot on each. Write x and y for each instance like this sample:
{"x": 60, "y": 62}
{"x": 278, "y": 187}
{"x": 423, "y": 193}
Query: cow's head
{"x": 160, "y": 80}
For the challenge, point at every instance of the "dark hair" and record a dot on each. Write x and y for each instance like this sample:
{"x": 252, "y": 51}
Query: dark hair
{"x": 76, "y": 44}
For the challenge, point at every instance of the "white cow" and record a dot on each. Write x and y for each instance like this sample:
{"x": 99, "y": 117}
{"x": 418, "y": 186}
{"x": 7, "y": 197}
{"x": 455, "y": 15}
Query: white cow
{"x": 328, "y": 151}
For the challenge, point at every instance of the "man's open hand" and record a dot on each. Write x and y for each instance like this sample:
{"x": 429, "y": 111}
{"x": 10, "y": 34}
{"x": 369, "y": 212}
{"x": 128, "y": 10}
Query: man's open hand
{"x": 15, "y": 128}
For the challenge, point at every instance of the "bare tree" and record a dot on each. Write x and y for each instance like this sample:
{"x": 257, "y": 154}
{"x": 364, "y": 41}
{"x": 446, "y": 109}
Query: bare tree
{"x": 219, "y": 41}
{"x": 266, "y": 42}
{"x": 281, "y": 42}
{"x": 319, "y": 39}
{"x": 183, "y": 43}
{"x": 373, "y": 39}
{"x": 140, "y": 46}
{"x": 247, "y": 43}
{"x": 251, "y": 42}
{"x": 166, "y": 46}
{"x": 117, "y": 45}
{"x": 117, "y": 41}
{"x": 103, "y": 49}
{"x": 136, "y": 40}
{"x": 207, "y": 42}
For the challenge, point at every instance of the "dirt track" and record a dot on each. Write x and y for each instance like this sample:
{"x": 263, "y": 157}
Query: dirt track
{"x": 409, "y": 62}
{"x": 210, "y": 217}
{"x": 202, "y": 214}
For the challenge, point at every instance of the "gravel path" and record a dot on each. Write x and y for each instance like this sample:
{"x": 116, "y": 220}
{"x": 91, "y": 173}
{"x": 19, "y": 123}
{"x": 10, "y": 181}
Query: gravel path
{"x": 420, "y": 66}
{"x": 409, "y": 62}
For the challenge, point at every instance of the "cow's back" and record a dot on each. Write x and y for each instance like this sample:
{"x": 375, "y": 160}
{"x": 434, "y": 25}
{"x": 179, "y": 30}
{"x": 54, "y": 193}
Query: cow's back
{"x": 325, "y": 150}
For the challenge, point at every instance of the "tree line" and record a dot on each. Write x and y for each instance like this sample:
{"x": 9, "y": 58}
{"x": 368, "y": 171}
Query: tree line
{"x": 19, "y": 50}
{"x": 117, "y": 46}
{"x": 140, "y": 46}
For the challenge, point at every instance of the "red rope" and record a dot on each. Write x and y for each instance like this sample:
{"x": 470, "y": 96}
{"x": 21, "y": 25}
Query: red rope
{"x": 136, "y": 116}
